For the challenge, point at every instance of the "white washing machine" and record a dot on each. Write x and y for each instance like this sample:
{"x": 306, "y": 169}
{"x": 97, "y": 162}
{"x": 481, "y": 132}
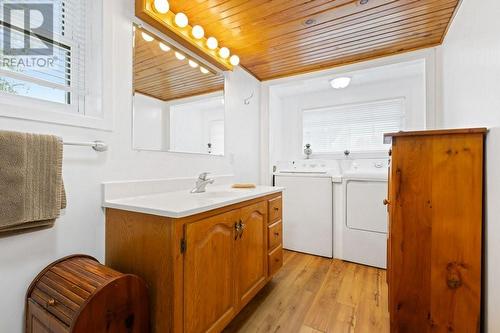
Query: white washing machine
{"x": 307, "y": 209}
{"x": 365, "y": 219}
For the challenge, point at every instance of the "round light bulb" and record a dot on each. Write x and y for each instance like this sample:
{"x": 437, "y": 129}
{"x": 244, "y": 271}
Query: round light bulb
{"x": 203, "y": 70}
{"x": 161, "y": 6}
{"x": 180, "y": 56}
{"x": 212, "y": 43}
{"x": 147, "y": 37}
{"x": 234, "y": 60}
{"x": 193, "y": 63}
{"x": 224, "y": 52}
{"x": 181, "y": 20}
{"x": 340, "y": 82}
{"x": 164, "y": 47}
{"x": 198, "y": 32}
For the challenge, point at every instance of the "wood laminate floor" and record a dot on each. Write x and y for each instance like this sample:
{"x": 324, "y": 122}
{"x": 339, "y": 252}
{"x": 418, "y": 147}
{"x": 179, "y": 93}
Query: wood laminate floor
{"x": 312, "y": 294}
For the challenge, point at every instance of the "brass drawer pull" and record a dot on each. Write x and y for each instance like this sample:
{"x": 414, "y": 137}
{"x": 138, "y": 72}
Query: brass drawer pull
{"x": 51, "y": 302}
{"x": 236, "y": 230}
{"x": 239, "y": 228}
{"x": 276, "y": 233}
{"x": 242, "y": 226}
{"x": 386, "y": 202}
{"x": 276, "y": 209}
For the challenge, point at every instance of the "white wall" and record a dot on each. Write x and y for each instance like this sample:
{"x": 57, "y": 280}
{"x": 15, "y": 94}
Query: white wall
{"x": 190, "y": 123}
{"x": 81, "y": 229}
{"x": 469, "y": 63}
{"x": 276, "y": 127}
{"x": 149, "y": 122}
{"x": 243, "y": 126}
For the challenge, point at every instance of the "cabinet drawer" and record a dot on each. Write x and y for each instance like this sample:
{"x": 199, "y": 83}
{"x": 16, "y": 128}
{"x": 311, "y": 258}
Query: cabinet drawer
{"x": 275, "y": 234}
{"x": 41, "y": 321}
{"x": 275, "y": 209}
{"x": 275, "y": 260}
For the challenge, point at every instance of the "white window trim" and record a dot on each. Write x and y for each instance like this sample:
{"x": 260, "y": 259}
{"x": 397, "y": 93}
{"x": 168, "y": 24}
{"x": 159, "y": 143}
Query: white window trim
{"x": 101, "y": 116}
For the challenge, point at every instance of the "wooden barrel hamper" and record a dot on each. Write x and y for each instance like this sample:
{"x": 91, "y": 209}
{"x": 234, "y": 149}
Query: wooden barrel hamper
{"x": 77, "y": 294}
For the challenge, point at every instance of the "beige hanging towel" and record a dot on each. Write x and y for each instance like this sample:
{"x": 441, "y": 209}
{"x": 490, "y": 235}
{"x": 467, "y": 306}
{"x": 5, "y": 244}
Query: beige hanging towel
{"x": 31, "y": 187}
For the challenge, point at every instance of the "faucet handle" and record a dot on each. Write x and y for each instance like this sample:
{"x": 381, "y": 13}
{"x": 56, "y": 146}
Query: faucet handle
{"x": 203, "y": 175}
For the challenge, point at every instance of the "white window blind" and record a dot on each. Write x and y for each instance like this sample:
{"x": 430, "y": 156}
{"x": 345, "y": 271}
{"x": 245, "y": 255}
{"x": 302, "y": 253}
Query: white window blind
{"x": 354, "y": 127}
{"x": 56, "y": 77}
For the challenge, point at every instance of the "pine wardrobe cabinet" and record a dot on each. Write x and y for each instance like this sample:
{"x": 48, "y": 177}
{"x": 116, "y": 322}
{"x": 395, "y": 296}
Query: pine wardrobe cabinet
{"x": 435, "y": 205}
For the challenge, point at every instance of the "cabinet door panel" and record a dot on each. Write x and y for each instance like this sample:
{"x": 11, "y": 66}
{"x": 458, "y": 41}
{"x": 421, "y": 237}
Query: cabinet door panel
{"x": 435, "y": 233}
{"x": 41, "y": 321}
{"x": 209, "y": 273}
{"x": 410, "y": 232}
{"x": 251, "y": 251}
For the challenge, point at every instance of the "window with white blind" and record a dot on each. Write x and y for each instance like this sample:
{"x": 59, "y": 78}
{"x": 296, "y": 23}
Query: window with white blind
{"x": 354, "y": 127}
{"x": 44, "y": 56}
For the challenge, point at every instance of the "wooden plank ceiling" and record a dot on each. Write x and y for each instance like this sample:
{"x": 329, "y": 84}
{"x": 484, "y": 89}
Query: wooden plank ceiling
{"x": 161, "y": 75}
{"x": 276, "y": 38}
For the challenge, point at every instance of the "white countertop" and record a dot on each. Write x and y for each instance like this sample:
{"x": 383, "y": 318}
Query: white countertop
{"x": 182, "y": 203}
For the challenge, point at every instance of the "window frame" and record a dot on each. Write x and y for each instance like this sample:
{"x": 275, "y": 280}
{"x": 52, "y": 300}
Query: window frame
{"x": 352, "y": 153}
{"x": 84, "y": 110}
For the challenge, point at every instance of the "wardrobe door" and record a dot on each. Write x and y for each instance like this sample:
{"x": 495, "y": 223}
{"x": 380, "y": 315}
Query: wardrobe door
{"x": 435, "y": 233}
{"x": 410, "y": 234}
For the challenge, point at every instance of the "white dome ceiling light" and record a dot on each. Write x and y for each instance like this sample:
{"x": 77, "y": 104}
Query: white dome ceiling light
{"x": 340, "y": 82}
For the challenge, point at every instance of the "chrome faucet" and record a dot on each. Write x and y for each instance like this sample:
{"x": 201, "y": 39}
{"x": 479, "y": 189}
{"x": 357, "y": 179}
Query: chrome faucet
{"x": 202, "y": 182}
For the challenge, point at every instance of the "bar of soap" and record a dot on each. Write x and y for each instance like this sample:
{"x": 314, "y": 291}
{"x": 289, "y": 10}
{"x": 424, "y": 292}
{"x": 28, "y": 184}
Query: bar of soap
{"x": 243, "y": 185}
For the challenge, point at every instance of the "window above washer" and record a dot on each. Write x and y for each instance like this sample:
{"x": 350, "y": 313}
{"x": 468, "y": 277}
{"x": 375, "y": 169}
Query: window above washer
{"x": 355, "y": 127}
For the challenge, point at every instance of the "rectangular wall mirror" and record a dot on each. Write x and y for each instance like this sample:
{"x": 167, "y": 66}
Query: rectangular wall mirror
{"x": 178, "y": 101}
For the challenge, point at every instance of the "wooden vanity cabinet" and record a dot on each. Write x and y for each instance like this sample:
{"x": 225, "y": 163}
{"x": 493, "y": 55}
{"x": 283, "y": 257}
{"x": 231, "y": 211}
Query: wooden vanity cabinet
{"x": 435, "y": 231}
{"x": 201, "y": 270}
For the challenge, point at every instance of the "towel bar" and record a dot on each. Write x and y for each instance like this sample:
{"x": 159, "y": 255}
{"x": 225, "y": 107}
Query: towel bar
{"x": 99, "y": 146}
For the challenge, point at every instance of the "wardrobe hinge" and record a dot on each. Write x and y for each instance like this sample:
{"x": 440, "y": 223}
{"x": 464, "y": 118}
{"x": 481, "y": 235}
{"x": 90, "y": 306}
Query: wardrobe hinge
{"x": 183, "y": 245}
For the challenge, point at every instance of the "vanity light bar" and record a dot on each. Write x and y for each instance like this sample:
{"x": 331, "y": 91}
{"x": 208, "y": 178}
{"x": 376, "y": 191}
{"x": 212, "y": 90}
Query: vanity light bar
{"x": 180, "y": 22}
